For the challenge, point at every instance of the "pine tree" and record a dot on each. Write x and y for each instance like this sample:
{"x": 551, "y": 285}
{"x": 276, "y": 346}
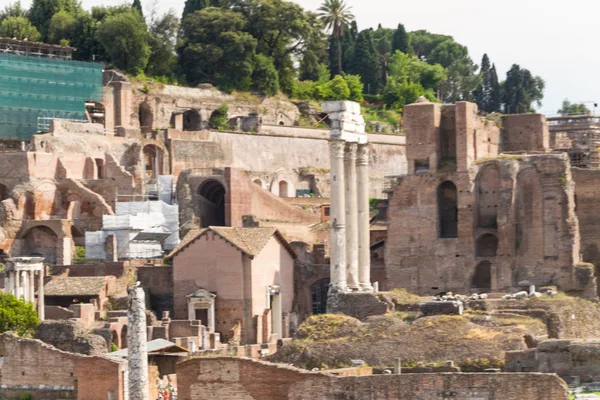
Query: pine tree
{"x": 487, "y": 95}
{"x": 365, "y": 62}
{"x": 197, "y": 5}
{"x": 400, "y": 40}
{"x": 137, "y": 4}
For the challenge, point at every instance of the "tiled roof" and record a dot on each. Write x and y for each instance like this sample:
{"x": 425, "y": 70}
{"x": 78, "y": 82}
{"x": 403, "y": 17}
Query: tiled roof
{"x": 75, "y": 286}
{"x": 248, "y": 240}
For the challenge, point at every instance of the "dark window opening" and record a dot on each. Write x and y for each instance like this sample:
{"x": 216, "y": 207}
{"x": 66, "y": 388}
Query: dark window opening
{"x": 487, "y": 246}
{"x": 318, "y": 293}
{"x": 482, "y": 279}
{"x": 448, "y": 210}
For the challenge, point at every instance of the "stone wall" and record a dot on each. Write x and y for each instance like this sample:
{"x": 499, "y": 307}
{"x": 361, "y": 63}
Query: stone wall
{"x": 242, "y": 379}
{"x": 525, "y": 132}
{"x": 566, "y": 358}
{"x": 32, "y": 363}
{"x": 158, "y": 281}
{"x": 587, "y": 193}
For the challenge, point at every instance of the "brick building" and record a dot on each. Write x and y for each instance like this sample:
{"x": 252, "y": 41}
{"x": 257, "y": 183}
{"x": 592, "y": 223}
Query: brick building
{"x": 485, "y": 208}
{"x": 238, "y": 280}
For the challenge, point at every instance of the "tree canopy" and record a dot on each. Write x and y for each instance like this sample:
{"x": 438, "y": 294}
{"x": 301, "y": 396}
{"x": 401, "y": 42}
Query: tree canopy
{"x": 569, "y": 108}
{"x": 17, "y": 315}
{"x": 271, "y": 46}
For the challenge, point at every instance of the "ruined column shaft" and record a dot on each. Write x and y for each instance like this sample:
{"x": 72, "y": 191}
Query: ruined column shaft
{"x": 41, "y": 301}
{"x": 337, "y": 218}
{"x": 351, "y": 216}
{"x": 17, "y": 275}
{"x": 137, "y": 345}
{"x": 364, "y": 245}
{"x": 32, "y": 286}
{"x": 9, "y": 283}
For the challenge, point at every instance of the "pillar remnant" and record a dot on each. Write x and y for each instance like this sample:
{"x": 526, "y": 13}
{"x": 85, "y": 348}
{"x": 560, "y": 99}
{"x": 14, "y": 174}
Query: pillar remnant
{"x": 349, "y": 210}
{"x": 137, "y": 349}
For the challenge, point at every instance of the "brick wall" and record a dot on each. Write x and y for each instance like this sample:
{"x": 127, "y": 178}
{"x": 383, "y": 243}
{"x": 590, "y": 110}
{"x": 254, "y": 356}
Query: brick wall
{"x": 524, "y": 132}
{"x": 33, "y": 363}
{"x": 159, "y": 282}
{"x": 237, "y": 379}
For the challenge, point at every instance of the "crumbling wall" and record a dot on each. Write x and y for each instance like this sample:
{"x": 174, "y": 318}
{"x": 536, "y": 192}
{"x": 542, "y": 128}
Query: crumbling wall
{"x": 524, "y": 132}
{"x": 229, "y": 378}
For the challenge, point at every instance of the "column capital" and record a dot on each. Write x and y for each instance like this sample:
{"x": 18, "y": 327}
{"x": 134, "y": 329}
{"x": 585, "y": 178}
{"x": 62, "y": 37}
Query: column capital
{"x": 362, "y": 154}
{"x": 350, "y": 150}
{"x": 337, "y": 148}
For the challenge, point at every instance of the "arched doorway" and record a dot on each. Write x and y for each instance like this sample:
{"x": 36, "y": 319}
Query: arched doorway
{"x": 482, "y": 278}
{"x": 192, "y": 120}
{"x": 258, "y": 182}
{"x": 488, "y": 197}
{"x": 124, "y": 337}
{"x": 487, "y": 246}
{"x": 146, "y": 115}
{"x": 153, "y": 161}
{"x": 42, "y": 241}
{"x": 212, "y": 203}
{"x": 114, "y": 340}
{"x": 448, "y": 210}
{"x": 283, "y": 189}
{"x": 318, "y": 295}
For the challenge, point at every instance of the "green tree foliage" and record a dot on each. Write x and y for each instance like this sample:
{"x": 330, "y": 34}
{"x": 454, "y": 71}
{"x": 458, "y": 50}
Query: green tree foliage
{"x": 407, "y": 67}
{"x": 216, "y": 50}
{"x": 163, "y": 36}
{"x": 365, "y": 62}
{"x": 336, "y": 16}
{"x": 192, "y": 6}
{"x": 61, "y": 27}
{"x": 569, "y": 108}
{"x": 19, "y": 28}
{"x": 13, "y": 10}
{"x": 218, "y": 118}
{"x": 398, "y": 93}
{"x": 264, "y": 77}
{"x": 521, "y": 89}
{"x": 137, "y": 5}
{"x": 488, "y": 95}
{"x": 347, "y": 87}
{"x": 17, "y": 315}
{"x": 125, "y": 39}
{"x": 42, "y": 11}
{"x": 401, "y": 40}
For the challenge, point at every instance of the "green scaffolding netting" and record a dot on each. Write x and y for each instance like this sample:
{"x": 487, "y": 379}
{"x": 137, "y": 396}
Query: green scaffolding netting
{"x": 33, "y": 90}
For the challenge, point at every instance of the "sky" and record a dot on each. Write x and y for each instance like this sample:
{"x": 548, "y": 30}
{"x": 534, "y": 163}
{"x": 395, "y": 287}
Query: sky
{"x": 554, "y": 40}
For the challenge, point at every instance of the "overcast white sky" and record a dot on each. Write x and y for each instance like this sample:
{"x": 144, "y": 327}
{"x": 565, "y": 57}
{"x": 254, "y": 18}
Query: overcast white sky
{"x": 555, "y": 40}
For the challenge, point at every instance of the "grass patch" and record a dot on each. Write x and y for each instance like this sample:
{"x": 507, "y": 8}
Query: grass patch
{"x": 246, "y": 97}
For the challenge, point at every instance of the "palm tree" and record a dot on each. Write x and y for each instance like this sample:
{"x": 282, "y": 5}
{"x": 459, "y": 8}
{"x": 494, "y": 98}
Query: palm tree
{"x": 336, "y": 16}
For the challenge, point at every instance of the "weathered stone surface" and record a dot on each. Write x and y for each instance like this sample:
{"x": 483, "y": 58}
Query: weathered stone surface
{"x": 71, "y": 336}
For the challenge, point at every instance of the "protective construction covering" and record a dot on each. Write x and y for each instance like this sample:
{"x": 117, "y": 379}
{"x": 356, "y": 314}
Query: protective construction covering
{"x": 165, "y": 188}
{"x": 33, "y": 88}
{"x": 134, "y": 225}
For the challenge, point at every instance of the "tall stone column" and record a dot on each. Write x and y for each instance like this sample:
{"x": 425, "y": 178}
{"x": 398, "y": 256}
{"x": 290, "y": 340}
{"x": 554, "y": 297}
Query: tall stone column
{"x": 364, "y": 226}
{"x": 41, "y": 300}
{"x": 137, "y": 348}
{"x": 31, "y": 286}
{"x": 25, "y": 285}
{"x": 351, "y": 216}
{"x": 18, "y": 293}
{"x": 337, "y": 218}
{"x": 9, "y": 283}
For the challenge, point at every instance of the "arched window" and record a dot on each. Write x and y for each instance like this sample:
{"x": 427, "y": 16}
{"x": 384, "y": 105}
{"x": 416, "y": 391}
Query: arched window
{"x": 146, "y": 115}
{"x": 283, "y": 189}
{"x": 258, "y": 182}
{"x": 448, "y": 210}
{"x": 482, "y": 278}
{"x": 191, "y": 120}
{"x": 318, "y": 294}
{"x": 124, "y": 337}
{"x": 40, "y": 241}
{"x": 212, "y": 203}
{"x": 487, "y": 246}
{"x": 153, "y": 161}
{"x": 115, "y": 339}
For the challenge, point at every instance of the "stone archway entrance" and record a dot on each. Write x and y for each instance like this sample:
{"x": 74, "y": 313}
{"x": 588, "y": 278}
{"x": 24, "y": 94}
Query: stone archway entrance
{"x": 212, "y": 203}
{"x": 482, "y": 278}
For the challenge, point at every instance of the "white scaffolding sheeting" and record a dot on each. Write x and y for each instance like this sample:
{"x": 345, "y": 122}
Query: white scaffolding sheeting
{"x": 131, "y": 219}
{"x": 165, "y": 188}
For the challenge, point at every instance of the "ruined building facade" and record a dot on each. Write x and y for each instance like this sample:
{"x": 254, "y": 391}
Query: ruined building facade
{"x": 486, "y": 206}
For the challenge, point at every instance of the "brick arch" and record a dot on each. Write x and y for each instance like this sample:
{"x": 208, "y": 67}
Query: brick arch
{"x": 211, "y": 195}
{"x": 486, "y": 245}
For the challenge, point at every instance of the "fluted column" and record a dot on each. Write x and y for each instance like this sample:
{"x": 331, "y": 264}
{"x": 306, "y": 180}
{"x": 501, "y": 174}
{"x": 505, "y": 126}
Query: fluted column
{"x": 364, "y": 226}
{"x": 41, "y": 301}
{"x": 18, "y": 293}
{"x": 337, "y": 218}
{"x": 24, "y": 287}
{"x": 31, "y": 286}
{"x": 351, "y": 216}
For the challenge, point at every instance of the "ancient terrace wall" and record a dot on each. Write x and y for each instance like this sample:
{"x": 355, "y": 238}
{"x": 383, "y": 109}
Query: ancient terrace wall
{"x": 482, "y": 222}
{"x": 243, "y": 379}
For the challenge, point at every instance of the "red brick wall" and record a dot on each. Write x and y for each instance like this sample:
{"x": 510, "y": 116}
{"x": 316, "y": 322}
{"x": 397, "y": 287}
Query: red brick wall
{"x": 528, "y": 132}
{"x": 236, "y": 379}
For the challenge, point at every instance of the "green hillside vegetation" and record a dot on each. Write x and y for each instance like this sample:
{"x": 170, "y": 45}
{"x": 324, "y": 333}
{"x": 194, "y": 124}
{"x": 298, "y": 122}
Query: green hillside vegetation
{"x": 276, "y": 46}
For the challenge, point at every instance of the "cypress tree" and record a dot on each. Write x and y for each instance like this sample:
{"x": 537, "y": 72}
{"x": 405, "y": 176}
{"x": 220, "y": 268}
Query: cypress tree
{"x": 487, "y": 95}
{"x": 197, "y": 5}
{"x": 400, "y": 40}
{"x": 495, "y": 101}
{"x": 137, "y": 4}
{"x": 365, "y": 62}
